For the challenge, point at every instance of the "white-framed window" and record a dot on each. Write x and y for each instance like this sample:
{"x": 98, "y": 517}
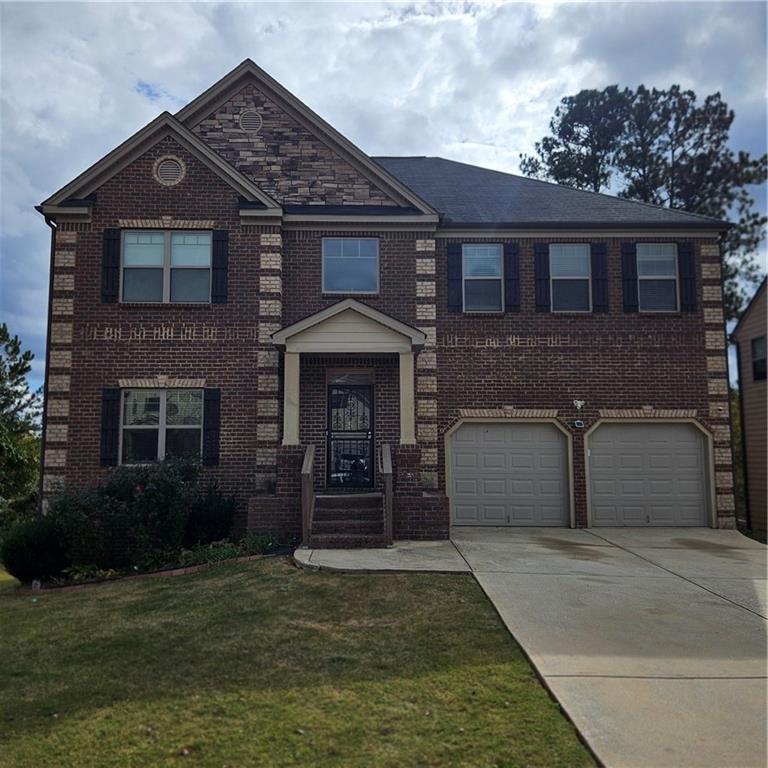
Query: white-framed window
{"x": 482, "y": 278}
{"x": 166, "y": 266}
{"x": 350, "y": 265}
{"x": 570, "y": 277}
{"x": 160, "y": 423}
{"x": 657, "y": 279}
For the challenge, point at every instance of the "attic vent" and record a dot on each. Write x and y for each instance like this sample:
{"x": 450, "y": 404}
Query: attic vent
{"x": 169, "y": 171}
{"x": 250, "y": 121}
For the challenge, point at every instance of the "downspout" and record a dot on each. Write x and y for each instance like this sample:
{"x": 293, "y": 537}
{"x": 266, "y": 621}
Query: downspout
{"x": 52, "y": 225}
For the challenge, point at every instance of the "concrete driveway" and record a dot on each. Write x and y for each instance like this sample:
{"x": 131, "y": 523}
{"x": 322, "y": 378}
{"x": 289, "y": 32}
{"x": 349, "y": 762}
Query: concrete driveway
{"x": 653, "y": 641}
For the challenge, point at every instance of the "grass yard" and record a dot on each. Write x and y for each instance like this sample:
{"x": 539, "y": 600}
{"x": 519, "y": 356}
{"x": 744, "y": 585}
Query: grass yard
{"x": 261, "y": 664}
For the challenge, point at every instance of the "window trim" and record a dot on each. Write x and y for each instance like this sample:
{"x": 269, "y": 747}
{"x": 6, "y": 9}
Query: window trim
{"x": 350, "y": 293}
{"x": 588, "y": 278}
{"x": 161, "y": 425}
{"x": 167, "y": 267}
{"x": 754, "y": 359}
{"x": 500, "y": 278}
{"x": 676, "y": 310}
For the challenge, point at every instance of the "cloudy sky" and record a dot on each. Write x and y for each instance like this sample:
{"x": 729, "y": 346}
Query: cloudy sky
{"x": 475, "y": 82}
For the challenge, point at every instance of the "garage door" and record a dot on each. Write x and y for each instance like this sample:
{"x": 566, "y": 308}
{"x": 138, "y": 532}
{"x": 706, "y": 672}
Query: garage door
{"x": 647, "y": 474}
{"x": 509, "y": 474}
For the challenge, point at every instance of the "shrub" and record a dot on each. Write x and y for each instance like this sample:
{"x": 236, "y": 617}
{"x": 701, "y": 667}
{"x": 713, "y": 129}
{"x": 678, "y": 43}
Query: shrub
{"x": 33, "y": 549}
{"x": 97, "y": 530}
{"x": 210, "y": 517}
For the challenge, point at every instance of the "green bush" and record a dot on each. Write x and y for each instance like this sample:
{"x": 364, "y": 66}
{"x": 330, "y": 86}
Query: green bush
{"x": 97, "y": 530}
{"x": 210, "y": 517}
{"x": 33, "y": 549}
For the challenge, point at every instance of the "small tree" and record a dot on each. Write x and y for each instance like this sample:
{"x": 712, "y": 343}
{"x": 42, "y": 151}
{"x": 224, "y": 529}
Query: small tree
{"x": 19, "y": 429}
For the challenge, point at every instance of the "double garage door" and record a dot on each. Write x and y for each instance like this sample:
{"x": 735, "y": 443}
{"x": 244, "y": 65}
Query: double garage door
{"x": 506, "y": 474}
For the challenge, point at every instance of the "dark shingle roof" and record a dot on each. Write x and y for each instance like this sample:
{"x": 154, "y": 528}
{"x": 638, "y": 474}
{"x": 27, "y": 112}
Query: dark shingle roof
{"x": 467, "y": 195}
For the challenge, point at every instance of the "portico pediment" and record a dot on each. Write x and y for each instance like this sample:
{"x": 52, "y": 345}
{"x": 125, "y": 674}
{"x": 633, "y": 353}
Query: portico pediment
{"x": 349, "y": 327}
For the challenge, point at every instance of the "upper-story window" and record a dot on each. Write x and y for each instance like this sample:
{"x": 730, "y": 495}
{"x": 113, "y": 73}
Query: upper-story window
{"x": 166, "y": 266}
{"x": 569, "y": 274}
{"x": 350, "y": 265}
{"x": 758, "y": 358}
{"x": 482, "y": 276}
{"x": 158, "y": 424}
{"x": 657, "y": 289}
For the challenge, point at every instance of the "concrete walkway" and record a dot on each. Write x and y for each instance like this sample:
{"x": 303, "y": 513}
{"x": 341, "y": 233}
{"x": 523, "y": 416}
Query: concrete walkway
{"x": 652, "y": 640}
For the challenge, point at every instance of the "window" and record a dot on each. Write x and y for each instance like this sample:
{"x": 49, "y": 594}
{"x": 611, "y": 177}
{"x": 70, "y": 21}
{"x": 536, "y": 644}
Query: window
{"x": 350, "y": 265}
{"x": 166, "y": 267}
{"x": 569, "y": 274}
{"x": 657, "y": 277}
{"x": 482, "y": 276}
{"x": 758, "y": 358}
{"x": 158, "y": 424}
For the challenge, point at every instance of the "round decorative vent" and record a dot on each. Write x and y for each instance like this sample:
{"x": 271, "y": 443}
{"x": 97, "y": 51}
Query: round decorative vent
{"x": 169, "y": 171}
{"x": 250, "y": 121}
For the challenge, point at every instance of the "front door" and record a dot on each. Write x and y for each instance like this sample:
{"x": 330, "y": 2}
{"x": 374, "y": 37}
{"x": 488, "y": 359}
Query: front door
{"x": 350, "y": 435}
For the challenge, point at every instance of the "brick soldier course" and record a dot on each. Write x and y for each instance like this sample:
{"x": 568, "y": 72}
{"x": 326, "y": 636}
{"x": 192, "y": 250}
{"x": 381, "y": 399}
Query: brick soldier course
{"x": 270, "y": 196}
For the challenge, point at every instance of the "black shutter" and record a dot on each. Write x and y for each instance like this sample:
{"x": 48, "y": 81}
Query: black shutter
{"x": 629, "y": 276}
{"x": 686, "y": 268}
{"x": 541, "y": 269}
{"x": 511, "y": 277}
{"x": 110, "y": 426}
{"x": 455, "y": 303}
{"x": 599, "y": 256}
{"x": 110, "y": 266}
{"x": 219, "y": 266}
{"x": 211, "y": 426}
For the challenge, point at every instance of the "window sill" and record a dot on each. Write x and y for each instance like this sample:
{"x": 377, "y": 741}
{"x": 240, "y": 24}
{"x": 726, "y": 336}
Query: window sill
{"x": 336, "y": 296}
{"x": 163, "y": 304}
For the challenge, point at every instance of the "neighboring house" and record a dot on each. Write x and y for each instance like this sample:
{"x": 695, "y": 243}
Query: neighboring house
{"x": 238, "y": 282}
{"x": 749, "y": 335}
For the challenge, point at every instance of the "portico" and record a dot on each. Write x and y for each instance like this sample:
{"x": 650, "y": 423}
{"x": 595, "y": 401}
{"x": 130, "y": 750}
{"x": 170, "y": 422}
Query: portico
{"x": 350, "y": 335}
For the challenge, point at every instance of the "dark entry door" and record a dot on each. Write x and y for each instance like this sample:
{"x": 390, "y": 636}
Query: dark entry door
{"x": 350, "y": 435}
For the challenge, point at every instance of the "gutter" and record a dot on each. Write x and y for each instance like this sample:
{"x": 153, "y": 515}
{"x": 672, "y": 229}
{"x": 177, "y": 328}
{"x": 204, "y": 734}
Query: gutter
{"x": 52, "y": 225}
{"x": 747, "y": 512}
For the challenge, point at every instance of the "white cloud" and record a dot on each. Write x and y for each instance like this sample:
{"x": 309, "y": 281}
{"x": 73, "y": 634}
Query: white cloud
{"x": 472, "y": 81}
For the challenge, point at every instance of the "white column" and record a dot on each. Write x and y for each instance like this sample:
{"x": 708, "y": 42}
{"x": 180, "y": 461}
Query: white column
{"x": 291, "y": 399}
{"x": 407, "y": 400}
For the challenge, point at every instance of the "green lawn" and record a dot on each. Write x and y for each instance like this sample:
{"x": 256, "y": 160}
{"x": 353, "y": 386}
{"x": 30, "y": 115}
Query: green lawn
{"x": 261, "y": 664}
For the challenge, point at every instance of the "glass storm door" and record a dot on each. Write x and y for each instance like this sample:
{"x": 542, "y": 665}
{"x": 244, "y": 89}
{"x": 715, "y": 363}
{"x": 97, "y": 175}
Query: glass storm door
{"x": 350, "y": 434}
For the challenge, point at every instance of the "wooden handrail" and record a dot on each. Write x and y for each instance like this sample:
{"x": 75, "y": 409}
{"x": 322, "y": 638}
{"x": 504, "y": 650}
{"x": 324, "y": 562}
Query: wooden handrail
{"x": 307, "y": 494}
{"x": 385, "y": 469}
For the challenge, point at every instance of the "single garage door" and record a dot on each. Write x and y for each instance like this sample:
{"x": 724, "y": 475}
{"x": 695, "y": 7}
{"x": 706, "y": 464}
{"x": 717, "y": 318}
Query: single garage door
{"x": 647, "y": 474}
{"x": 509, "y": 474}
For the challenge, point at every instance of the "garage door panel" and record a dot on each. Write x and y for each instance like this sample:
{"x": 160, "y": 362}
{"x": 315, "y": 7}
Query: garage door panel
{"x": 494, "y": 487}
{"x": 518, "y": 475}
{"x": 647, "y": 474}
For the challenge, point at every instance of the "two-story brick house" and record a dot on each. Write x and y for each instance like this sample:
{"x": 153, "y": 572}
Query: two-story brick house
{"x": 239, "y": 282}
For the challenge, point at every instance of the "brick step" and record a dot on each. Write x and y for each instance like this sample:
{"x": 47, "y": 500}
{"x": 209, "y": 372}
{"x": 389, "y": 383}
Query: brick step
{"x": 349, "y": 513}
{"x": 348, "y": 501}
{"x": 363, "y": 527}
{"x": 347, "y": 541}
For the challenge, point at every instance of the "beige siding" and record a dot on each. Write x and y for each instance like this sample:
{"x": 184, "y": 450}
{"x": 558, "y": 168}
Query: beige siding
{"x": 755, "y": 410}
{"x": 349, "y": 331}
